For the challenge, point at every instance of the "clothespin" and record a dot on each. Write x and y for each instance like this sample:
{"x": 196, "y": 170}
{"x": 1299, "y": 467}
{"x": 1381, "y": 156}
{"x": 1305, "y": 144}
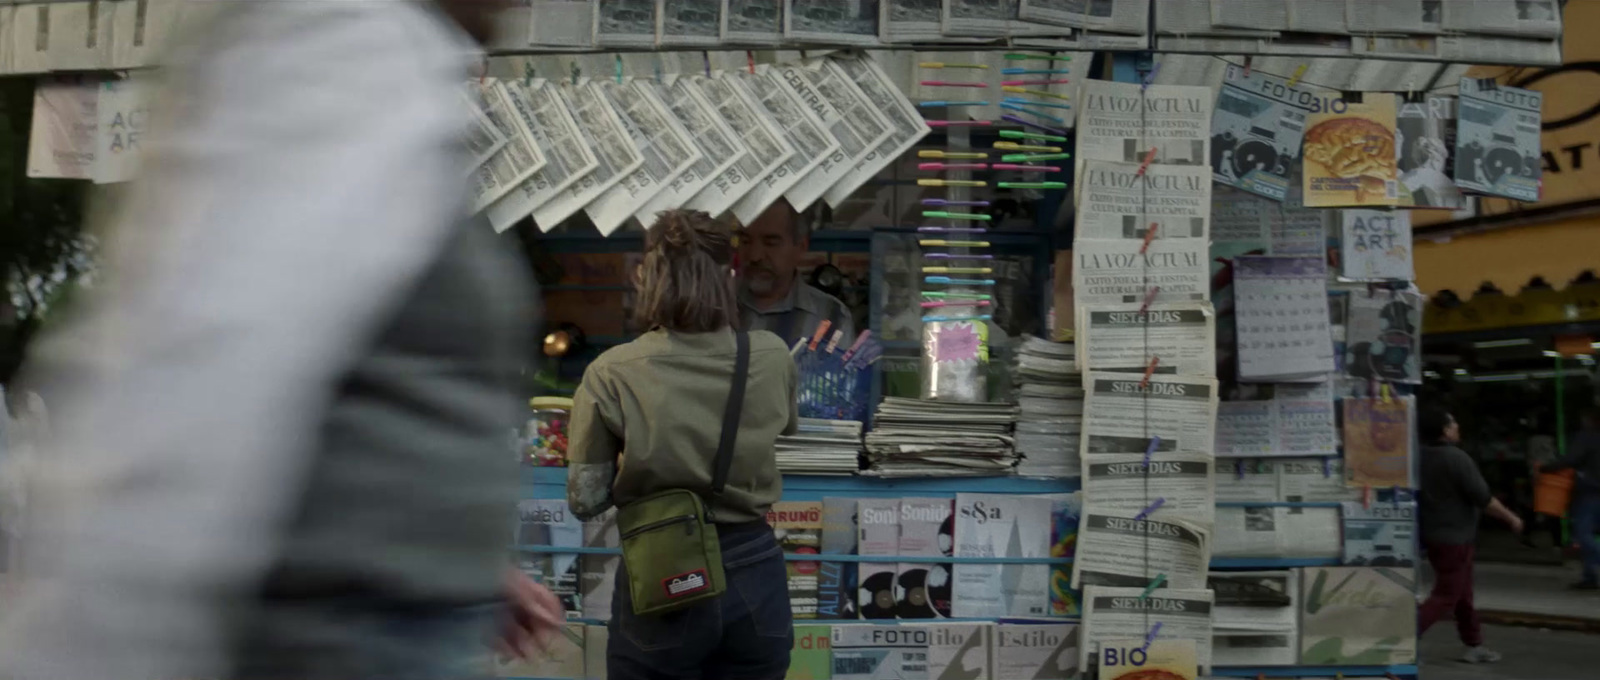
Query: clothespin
{"x": 619, "y": 68}
{"x": 1148, "y": 370}
{"x": 822, "y": 329}
{"x": 1151, "y": 508}
{"x": 1148, "y": 298}
{"x": 833, "y": 342}
{"x": 750, "y": 61}
{"x": 658, "y": 68}
{"x": 1151, "y": 636}
{"x": 1327, "y": 467}
{"x": 1145, "y": 164}
{"x": 1298, "y": 72}
{"x": 1151, "y": 76}
{"x": 1387, "y": 392}
{"x": 1238, "y": 469}
{"x": 1394, "y": 496}
{"x": 1150, "y": 450}
{"x": 483, "y": 71}
{"x": 1247, "y": 62}
{"x": 705, "y": 57}
{"x": 860, "y": 339}
{"x": 1159, "y": 580}
{"x": 574, "y": 74}
{"x": 1149, "y": 235}
{"x": 1372, "y": 388}
{"x": 1366, "y": 497}
{"x": 528, "y": 74}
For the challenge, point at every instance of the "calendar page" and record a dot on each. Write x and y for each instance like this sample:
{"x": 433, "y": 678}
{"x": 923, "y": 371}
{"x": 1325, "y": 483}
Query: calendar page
{"x": 1281, "y": 308}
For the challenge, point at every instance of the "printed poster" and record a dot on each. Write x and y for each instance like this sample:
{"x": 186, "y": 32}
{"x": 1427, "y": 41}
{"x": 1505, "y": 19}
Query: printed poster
{"x": 1358, "y": 616}
{"x": 1350, "y": 154}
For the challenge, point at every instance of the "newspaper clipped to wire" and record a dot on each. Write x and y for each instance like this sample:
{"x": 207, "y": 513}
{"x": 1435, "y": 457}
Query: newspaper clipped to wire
{"x": 768, "y": 150}
{"x": 561, "y": 23}
{"x": 624, "y": 23}
{"x": 1257, "y": 129}
{"x": 1129, "y": 614}
{"x": 1099, "y": 15}
{"x": 1297, "y": 421}
{"x": 752, "y": 22}
{"x": 725, "y": 162}
{"x": 678, "y": 114}
{"x": 690, "y": 23}
{"x": 909, "y": 21}
{"x": 517, "y": 160}
{"x": 831, "y": 22}
{"x": 846, "y": 113}
{"x": 1115, "y": 271}
{"x": 483, "y": 139}
{"x": 801, "y": 129}
{"x": 1125, "y": 550}
{"x": 1123, "y": 338}
{"x": 663, "y": 144}
{"x": 1396, "y": 16}
{"x": 1318, "y": 16}
{"x": 1118, "y": 200}
{"x": 906, "y": 125}
{"x": 1126, "y": 122}
{"x": 975, "y": 17}
{"x": 614, "y": 152}
{"x": 1122, "y": 484}
{"x": 564, "y": 148}
{"x": 1123, "y": 413}
{"x": 1535, "y": 18}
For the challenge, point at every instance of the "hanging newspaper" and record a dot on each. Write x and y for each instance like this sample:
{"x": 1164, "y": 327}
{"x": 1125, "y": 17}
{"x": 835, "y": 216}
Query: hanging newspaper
{"x": 831, "y": 22}
{"x": 1130, "y": 613}
{"x": 517, "y": 160}
{"x": 724, "y": 161}
{"x": 563, "y": 146}
{"x": 1121, "y": 200}
{"x": 1264, "y": 15}
{"x": 625, "y": 23}
{"x": 1276, "y": 532}
{"x": 1099, "y": 15}
{"x": 846, "y": 113}
{"x": 752, "y": 22}
{"x": 484, "y": 138}
{"x": 906, "y": 125}
{"x": 1497, "y": 140}
{"x": 1297, "y": 421}
{"x": 1243, "y": 224}
{"x": 1395, "y": 16}
{"x": 1114, "y": 271}
{"x": 1123, "y": 338}
{"x": 1122, "y": 484}
{"x": 1314, "y": 480}
{"x": 1125, "y": 122}
{"x": 664, "y": 145}
{"x": 1536, "y": 18}
{"x": 1124, "y": 414}
{"x": 909, "y": 21}
{"x": 615, "y": 154}
{"x": 768, "y": 151}
{"x": 1242, "y": 481}
{"x": 1123, "y": 550}
{"x": 1257, "y": 129}
{"x": 696, "y": 23}
{"x": 975, "y": 17}
{"x": 805, "y": 133}
{"x": 1318, "y": 16}
{"x": 561, "y": 23}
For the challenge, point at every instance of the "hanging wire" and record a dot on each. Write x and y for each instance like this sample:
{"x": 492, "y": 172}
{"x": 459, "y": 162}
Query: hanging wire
{"x": 1509, "y": 70}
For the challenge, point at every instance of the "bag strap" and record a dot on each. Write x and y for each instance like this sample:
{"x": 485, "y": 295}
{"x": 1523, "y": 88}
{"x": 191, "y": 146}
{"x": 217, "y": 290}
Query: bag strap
{"x": 730, "y": 414}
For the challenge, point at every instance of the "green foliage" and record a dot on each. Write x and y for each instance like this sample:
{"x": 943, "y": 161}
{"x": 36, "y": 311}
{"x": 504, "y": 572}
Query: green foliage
{"x": 43, "y": 249}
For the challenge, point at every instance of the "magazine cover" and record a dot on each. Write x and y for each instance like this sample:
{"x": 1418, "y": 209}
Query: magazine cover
{"x": 812, "y": 656}
{"x": 548, "y": 522}
{"x": 798, "y": 528}
{"x": 1064, "y": 516}
{"x": 960, "y": 651}
{"x": 599, "y": 578}
{"x": 1425, "y": 141}
{"x": 1156, "y": 660}
{"x": 1257, "y": 129}
{"x": 1349, "y": 154}
{"x": 922, "y": 590}
{"x": 1497, "y": 140}
{"x": 836, "y": 581}
{"x": 1380, "y": 534}
{"x": 1364, "y": 616}
{"x": 1044, "y": 651}
{"x": 1377, "y": 442}
{"x": 1383, "y": 336}
{"x": 1002, "y": 525}
{"x": 1375, "y": 245}
{"x": 880, "y": 536}
{"x": 865, "y": 652}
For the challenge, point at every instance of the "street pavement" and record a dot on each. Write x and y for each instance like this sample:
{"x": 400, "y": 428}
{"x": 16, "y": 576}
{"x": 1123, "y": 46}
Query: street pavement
{"x": 1530, "y": 654}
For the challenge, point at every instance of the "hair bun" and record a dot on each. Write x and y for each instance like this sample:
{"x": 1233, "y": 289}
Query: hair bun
{"x": 685, "y": 232}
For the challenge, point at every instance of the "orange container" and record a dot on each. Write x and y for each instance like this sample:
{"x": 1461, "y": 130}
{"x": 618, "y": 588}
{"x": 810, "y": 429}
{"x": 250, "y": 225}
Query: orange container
{"x": 1551, "y": 492}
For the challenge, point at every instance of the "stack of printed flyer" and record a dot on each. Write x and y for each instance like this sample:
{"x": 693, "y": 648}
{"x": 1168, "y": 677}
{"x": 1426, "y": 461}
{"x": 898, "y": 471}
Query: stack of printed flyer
{"x": 920, "y": 438}
{"x": 821, "y": 447}
{"x": 1050, "y": 409}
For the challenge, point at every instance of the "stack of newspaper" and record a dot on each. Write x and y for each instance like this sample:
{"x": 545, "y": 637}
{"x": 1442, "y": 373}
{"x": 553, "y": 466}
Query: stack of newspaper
{"x": 917, "y": 438}
{"x": 1254, "y": 619}
{"x": 821, "y": 447}
{"x": 1050, "y": 409}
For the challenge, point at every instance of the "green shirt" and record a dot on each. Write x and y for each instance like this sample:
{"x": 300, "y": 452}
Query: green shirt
{"x": 648, "y": 415}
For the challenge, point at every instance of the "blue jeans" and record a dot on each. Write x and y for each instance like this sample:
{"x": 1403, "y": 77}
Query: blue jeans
{"x": 745, "y": 634}
{"x": 1585, "y": 521}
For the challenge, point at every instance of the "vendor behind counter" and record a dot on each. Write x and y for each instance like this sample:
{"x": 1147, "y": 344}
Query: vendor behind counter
{"x": 772, "y": 297}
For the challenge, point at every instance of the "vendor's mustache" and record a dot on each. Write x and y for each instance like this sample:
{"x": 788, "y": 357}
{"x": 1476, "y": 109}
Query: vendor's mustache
{"x": 757, "y": 268}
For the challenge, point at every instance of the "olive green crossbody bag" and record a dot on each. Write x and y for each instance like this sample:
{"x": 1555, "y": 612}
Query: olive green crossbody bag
{"x": 669, "y": 542}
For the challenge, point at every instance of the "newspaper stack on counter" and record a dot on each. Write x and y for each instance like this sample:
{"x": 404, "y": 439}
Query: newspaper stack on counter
{"x": 821, "y": 447}
{"x": 1111, "y": 614}
{"x": 919, "y": 438}
{"x": 1050, "y": 409}
{"x": 1255, "y": 620}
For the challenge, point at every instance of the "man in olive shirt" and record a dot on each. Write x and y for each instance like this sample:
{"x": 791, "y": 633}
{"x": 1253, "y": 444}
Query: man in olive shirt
{"x": 771, "y": 295}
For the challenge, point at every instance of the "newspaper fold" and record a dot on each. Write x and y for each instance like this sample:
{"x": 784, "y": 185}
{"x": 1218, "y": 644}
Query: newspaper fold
{"x": 1128, "y": 613}
{"x": 563, "y": 146}
{"x": 1123, "y": 413}
{"x": 663, "y": 145}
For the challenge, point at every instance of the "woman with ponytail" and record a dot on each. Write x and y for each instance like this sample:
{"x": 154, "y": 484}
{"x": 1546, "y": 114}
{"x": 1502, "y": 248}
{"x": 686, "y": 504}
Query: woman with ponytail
{"x": 649, "y": 417}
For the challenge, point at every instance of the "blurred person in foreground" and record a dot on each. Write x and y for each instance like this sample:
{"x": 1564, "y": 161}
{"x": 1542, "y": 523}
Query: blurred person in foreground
{"x": 1584, "y": 510}
{"x": 773, "y": 296}
{"x": 280, "y": 438}
{"x": 1452, "y": 498}
{"x": 648, "y": 417}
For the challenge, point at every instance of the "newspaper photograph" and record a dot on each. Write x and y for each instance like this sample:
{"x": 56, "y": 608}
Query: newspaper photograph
{"x": 1395, "y": 16}
{"x": 1276, "y": 532}
{"x": 614, "y": 153}
{"x": 768, "y": 150}
{"x": 1246, "y": 481}
{"x": 831, "y": 22}
{"x": 806, "y": 135}
{"x": 906, "y": 21}
{"x": 564, "y": 148}
{"x": 1121, "y": 550}
{"x": 561, "y": 23}
{"x": 1124, "y": 122}
{"x": 724, "y": 162}
{"x": 1121, "y": 416}
{"x": 1257, "y": 129}
{"x": 656, "y": 110}
{"x": 1116, "y": 201}
{"x": 483, "y": 139}
{"x": 906, "y": 125}
{"x": 625, "y": 23}
{"x": 1122, "y": 484}
{"x": 662, "y": 143}
{"x": 517, "y": 160}
{"x": 1114, "y": 272}
{"x": 752, "y": 22}
{"x": 1318, "y": 16}
{"x": 1128, "y": 614}
{"x": 976, "y": 17}
{"x": 1497, "y": 140}
{"x": 1123, "y": 338}
{"x": 845, "y": 112}
{"x": 1533, "y": 18}
{"x": 689, "y": 23}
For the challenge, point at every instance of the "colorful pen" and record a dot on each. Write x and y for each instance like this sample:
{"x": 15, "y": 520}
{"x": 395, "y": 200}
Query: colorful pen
{"x": 1034, "y": 157}
{"x": 1026, "y": 168}
{"x": 931, "y": 304}
{"x": 1033, "y": 185}
{"x": 935, "y": 153}
{"x": 956, "y": 256}
{"x": 958, "y": 123}
{"x": 1028, "y": 123}
{"x": 946, "y": 83}
{"x": 956, "y": 216}
{"x": 940, "y": 201}
{"x": 940, "y": 64}
{"x": 942, "y": 243}
{"x": 1021, "y": 56}
{"x": 952, "y": 166}
{"x": 1018, "y": 134}
{"x": 957, "y": 282}
{"x": 1056, "y": 81}
{"x": 957, "y": 270}
{"x": 1024, "y": 102}
{"x": 1033, "y": 72}
{"x": 939, "y": 102}
{"x": 1023, "y": 109}
{"x": 1013, "y": 146}
{"x": 937, "y": 319}
{"x": 950, "y": 183}
{"x": 943, "y": 295}
{"x": 1036, "y": 93}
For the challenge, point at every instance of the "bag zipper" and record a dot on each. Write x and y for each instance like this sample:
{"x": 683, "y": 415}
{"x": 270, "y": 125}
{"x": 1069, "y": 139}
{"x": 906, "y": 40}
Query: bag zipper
{"x": 685, "y": 519}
